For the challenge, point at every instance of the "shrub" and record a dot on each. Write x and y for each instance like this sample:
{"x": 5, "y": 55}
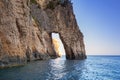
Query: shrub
{"x": 33, "y": 1}
{"x": 51, "y": 5}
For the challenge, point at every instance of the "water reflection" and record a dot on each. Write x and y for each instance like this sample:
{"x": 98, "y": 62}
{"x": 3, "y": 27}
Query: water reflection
{"x": 66, "y": 69}
{"x": 93, "y": 68}
{"x": 56, "y": 69}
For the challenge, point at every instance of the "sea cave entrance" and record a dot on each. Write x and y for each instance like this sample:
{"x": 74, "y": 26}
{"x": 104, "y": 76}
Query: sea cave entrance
{"x": 58, "y": 45}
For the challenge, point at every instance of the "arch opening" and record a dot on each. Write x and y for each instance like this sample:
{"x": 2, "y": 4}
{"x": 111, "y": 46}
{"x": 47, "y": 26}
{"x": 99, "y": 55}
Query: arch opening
{"x": 58, "y": 45}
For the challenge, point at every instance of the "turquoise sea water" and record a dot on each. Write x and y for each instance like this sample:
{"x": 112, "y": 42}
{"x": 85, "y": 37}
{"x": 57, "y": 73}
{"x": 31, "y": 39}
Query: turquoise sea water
{"x": 93, "y": 68}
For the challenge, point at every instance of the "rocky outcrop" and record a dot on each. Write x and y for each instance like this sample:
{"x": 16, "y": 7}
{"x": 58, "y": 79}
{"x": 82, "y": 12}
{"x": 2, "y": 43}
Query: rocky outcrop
{"x": 56, "y": 45}
{"x": 26, "y": 27}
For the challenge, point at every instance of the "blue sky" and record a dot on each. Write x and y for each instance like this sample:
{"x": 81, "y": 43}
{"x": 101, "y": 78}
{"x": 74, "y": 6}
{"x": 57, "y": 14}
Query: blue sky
{"x": 99, "y": 20}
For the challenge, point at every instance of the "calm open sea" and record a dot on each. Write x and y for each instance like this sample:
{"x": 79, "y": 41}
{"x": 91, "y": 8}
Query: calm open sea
{"x": 93, "y": 68}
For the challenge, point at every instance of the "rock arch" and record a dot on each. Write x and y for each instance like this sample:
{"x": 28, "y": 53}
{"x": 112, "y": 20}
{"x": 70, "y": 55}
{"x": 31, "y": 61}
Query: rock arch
{"x": 62, "y": 20}
{"x": 26, "y": 28}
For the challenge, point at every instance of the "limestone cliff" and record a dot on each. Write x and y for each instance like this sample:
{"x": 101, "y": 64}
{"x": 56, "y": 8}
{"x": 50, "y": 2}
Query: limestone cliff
{"x": 56, "y": 44}
{"x": 26, "y": 27}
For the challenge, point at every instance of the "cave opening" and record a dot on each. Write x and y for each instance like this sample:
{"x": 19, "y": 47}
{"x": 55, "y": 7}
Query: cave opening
{"x": 58, "y": 45}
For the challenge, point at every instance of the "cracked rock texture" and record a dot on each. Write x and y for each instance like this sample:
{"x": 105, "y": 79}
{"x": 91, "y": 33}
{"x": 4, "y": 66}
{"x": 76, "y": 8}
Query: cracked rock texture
{"x": 26, "y": 27}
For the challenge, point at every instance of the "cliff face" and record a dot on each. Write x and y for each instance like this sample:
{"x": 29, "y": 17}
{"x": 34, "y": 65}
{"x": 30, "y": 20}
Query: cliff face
{"x": 26, "y": 27}
{"x": 56, "y": 44}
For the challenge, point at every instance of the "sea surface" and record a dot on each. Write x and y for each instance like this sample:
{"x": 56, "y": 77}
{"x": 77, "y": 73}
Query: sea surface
{"x": 93, "y": 68}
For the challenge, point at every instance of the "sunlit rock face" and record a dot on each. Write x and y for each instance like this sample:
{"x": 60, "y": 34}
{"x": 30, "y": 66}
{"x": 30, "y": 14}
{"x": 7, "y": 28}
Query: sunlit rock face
{"x": 56, "y": 44}
{"x": 58, "y": 17}
{"x": 26, "y": 27}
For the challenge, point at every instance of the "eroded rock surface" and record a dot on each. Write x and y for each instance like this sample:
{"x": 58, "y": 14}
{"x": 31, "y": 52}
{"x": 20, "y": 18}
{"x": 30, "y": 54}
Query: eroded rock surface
{"x": 56, "y": 44}
{"x": 26, "y": 27}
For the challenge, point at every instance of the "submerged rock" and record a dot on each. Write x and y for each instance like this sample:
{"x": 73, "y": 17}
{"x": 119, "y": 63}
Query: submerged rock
{"x": 26, "y": 27}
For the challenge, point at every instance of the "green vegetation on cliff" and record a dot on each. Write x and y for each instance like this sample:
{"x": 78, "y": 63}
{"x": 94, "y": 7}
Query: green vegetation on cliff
{"x": 33, "y": 1}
